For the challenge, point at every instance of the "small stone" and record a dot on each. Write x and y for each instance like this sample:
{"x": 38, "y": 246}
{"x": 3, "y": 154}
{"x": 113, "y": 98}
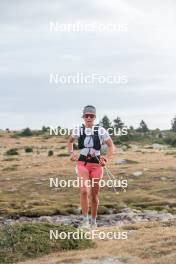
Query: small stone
{"x": 12, "y": 190}
{"x": 45, "y": 219}
{"x": 34, "y": 194}
{"x": 7, "y": 179}
{"x": 77, "y": 211}
{"x": 137, "y": 173}
{"x": 158, "y": 146}
{"x": 43, "y": 179}
{"x": 122, "y": 171}
{"x": 124, "y": 148}
{"x": 38, "y": 183}
{"x": 121, "y": 161}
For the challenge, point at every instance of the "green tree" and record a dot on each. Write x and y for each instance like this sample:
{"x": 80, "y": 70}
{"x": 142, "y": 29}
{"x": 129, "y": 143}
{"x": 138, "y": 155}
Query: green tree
{"x": 118, "y": 123}
{"x": 105, "y": 122}
{"x": 173, "y": 123}
{"x": 26, "y": 132}
{"x": 143, "y": 127}
{"x": 45, "y": 129}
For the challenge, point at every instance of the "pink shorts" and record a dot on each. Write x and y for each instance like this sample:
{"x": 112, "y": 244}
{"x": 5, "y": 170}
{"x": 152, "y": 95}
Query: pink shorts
{"x": 94, "y": 170}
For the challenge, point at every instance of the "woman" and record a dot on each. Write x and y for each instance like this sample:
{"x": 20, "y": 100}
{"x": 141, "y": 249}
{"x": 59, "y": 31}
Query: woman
{"x": 90, "y": 163}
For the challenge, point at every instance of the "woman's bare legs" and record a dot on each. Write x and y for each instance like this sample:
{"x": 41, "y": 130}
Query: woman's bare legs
{"x": 96, "y": 174}
{"x": 94, "y": 198}
{"x": 84, "y": 190}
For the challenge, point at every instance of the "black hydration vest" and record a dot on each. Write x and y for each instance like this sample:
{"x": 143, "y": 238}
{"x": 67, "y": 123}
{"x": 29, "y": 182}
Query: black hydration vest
{"x": 95, "y": 137}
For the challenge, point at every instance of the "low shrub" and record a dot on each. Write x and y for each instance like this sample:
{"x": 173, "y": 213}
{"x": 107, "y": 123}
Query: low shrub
{"x": 26, "y": 132}
{"x": 170, "y": 141}
{"x": 28, "y": 149}
{"x": 12, "y": 151}
{"x": 30, "y": 240}
{"x": 50, "y": 153}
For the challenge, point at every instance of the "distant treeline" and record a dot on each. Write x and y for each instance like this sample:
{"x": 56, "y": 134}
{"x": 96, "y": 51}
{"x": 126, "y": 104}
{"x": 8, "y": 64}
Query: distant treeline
{"x": 141, "y": 134}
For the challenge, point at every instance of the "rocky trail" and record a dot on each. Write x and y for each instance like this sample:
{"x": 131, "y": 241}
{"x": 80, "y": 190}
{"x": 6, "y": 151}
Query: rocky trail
{"x": 126, "y": 216}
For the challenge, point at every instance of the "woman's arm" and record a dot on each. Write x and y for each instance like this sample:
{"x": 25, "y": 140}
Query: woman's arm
{"x": 104, "y": 158}
{"x": 110, "y": 145}
{"x": 73, "y": 156}
{"x": 70, "y": 144}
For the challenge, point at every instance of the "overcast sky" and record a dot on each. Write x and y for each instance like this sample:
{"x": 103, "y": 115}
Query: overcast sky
{"x": 29, "y": 52}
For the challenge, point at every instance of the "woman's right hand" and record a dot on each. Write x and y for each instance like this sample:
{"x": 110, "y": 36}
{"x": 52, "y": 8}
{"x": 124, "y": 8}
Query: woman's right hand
{"x": 73, "y": 156}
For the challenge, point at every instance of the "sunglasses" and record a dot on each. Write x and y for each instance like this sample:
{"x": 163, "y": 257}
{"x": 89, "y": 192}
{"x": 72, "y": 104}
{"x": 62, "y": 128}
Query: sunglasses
{"x": 89, "y": 115}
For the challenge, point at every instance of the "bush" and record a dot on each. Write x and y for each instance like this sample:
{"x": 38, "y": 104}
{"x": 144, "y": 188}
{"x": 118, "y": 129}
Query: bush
{"x": 63, "y": 147}
{"x": 26, "y": 132}
{"x": 117, "y": 141}
{"x": 45, "y": 129}
{"x": 12, "y": 151}
{"x": 27, "y": 240}
{"x": 28, "y": 149}
{"x": 125, "y": 138}
{"x": 50, "y": 153}
{"x": 103, "y": 210}
{"x": 174, "y": 143}
{"x": 158, "y": 141}
{"x": 170, "y": 140}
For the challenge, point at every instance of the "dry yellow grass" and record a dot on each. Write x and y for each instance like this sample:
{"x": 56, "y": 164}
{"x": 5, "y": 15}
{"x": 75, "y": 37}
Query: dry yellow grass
{"x": 24, "y": 178}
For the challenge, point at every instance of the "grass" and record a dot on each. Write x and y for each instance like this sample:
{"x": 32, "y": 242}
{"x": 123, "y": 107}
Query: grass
{"x": 11, "y": 168}
{"x": 30, "y": 240}
{"x": 131, "y": 161}
{"x": 63, "y": 155}
{"x": 29, "y": 175}
{"x": 10, "y": 159}
{"x": 170, "y": 153}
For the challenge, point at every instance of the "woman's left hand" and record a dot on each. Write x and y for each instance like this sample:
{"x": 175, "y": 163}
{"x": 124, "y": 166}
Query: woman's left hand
{"x": 103, "y": 160}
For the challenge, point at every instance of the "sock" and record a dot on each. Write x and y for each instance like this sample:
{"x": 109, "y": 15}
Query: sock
{"x": 85, "y": 218}
{"x": 93, "y": 220}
